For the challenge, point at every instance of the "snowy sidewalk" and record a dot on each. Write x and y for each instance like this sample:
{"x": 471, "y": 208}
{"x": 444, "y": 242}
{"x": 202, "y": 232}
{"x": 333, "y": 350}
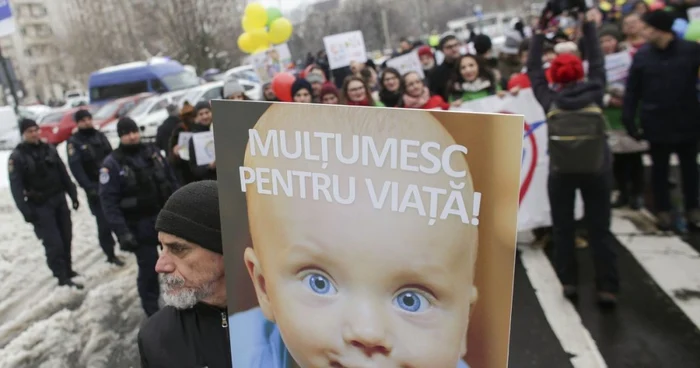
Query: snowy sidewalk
{"x": 46, "y": 326}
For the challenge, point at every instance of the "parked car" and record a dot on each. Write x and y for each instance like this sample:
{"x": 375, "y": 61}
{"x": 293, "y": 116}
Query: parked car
{"x": 9, "y": 130}
{"x": 110, "y": 112}
{"x": 9, "y": 139}
{"x": 57, "y": 126}
{"x": 33, "y": 111}
{"x": 215, "y": 90}
{"x": 245, "y": 72}
{"x": 149, "y": 114}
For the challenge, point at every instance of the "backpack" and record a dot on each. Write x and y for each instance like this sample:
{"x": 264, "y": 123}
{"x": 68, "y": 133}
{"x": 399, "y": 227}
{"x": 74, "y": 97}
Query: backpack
{"x": 577, "y": 140}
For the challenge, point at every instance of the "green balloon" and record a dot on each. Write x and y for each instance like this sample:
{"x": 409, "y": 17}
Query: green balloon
{"x": 272, "y": 14}
{"x": 693, "y": 31}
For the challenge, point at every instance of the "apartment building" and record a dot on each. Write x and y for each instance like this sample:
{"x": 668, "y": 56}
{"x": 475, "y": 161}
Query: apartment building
{"x": 34, "y": 50}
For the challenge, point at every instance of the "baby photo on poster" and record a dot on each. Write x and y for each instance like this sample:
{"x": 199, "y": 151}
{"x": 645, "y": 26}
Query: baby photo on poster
{"x": 365, "y": 237}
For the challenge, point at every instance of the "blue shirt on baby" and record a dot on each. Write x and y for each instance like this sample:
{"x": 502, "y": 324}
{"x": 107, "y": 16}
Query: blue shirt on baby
{"x": 257, "y": 343}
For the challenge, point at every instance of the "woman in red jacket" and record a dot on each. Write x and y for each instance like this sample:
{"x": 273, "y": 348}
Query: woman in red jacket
{"x": 417, "y": 95}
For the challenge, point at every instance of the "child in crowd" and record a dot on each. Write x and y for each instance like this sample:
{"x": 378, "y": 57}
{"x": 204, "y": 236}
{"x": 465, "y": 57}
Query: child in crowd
{"x": 348, "y": 285}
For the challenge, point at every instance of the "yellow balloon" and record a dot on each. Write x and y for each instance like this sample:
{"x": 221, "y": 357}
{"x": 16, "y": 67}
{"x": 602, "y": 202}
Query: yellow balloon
{"x": 246, "y": 43}
{"x": 260, "y": 38}
{"x": 256, "y": 14}
{"x": 280, "y": 30}
{"x": 248, "y": 25}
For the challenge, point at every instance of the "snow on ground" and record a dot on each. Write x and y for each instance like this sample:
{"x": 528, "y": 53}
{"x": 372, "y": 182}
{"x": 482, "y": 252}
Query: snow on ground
{"x": 43, "y": 325}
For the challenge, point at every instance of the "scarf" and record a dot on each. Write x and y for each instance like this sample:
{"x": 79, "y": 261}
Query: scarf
{"x": 364, "y": 102}
{"x": 475, "y": 86}
{"x": 417, "y": 102}
{"x": 389, "y": 99}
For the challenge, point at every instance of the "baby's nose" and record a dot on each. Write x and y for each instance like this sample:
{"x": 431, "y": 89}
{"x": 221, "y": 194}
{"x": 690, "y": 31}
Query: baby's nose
{"x": 366, "y": 329}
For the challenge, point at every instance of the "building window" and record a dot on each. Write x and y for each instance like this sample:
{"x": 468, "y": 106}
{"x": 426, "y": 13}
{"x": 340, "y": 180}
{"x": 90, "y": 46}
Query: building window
{"x": 38, "y": 11}
{"x": 28, "y": 52}
{"x": 23, "y": 31}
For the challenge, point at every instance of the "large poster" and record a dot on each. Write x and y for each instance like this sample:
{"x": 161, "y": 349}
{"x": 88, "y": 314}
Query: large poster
{"x": 267, "y": 64}
{"x": 344, "y": 48}
{"x": 534, "y": 200}
{"x": 367, "y": 237}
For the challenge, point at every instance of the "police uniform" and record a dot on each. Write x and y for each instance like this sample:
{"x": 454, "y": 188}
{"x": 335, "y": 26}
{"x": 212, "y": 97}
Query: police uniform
{"x": 134, "y": 184}
{"x": 39, "y": 182}
{"x": 87, "y": 148}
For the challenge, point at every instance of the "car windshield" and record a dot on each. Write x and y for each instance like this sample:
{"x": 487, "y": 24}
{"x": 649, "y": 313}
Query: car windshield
{"x": 247, "y": 75}
{"x": 178, "y": 81}
{"x": 141, "y": 107}
{"x": 51, "y": 118}
{"x": 106, "y": 111}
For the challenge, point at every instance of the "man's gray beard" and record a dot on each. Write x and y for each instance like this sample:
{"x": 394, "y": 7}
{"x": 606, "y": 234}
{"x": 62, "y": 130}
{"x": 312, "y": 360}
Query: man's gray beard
{"x": 180, "y": 297}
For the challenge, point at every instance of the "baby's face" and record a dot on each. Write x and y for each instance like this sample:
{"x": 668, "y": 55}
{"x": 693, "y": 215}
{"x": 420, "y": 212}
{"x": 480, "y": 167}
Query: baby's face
{"x": 352, "y": 286}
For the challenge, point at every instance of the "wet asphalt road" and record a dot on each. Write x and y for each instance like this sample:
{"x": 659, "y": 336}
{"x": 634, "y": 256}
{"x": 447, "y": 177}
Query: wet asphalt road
{"x": 647, "y": 329}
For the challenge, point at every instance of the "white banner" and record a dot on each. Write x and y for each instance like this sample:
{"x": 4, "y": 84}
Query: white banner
{"x": 344, "y": 48}
{"x": 534, "y": 201}
{"x": 407, "y": 63}
{"x": 204, "y": 148}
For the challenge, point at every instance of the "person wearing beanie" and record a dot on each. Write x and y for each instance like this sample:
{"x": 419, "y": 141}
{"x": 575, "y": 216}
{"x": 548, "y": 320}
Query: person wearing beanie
{"x": 302, "y": 91}
{"x": 427, "y": 61}
{"x": 191, "y": 329}
{"x": 317, "y": 81}
{"x": 234, "y": 91}
{"x": 661, "y": 95}
{"x": 39, "y": 182}
{"x": 203, "y": 123}
{"x": 180, "y": 165}
{"x": 575, "y": 101}
{"x": 135, "y": 181}
{"x": 269, "y": 93}
{"x": 450, "y": 47}
{"x": 86, "y": 149}
{"x": 329, "y": 94}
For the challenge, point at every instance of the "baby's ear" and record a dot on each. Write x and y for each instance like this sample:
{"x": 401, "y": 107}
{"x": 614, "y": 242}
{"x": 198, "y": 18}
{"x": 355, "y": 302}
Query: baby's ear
{"x": 255, "y": 271}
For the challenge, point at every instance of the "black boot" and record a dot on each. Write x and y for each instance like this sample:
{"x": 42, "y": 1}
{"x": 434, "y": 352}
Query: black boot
{"x": 115, "y": 261}
{"x": 70, "y": 283}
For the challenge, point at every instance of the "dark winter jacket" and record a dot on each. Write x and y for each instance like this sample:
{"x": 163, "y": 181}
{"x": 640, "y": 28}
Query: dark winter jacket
{"x": 165, "y": 131}
{"x": 199, "y": 172}
{"x": 661, "y": 87}
{"x": 191, "y": 338}
{"x": 439, "y": 78}
{"x": 573, "y": 96}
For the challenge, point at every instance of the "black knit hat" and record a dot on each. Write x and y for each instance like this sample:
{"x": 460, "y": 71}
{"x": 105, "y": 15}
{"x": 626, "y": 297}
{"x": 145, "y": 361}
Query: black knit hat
{"x": 300, "y": 84}
{"x": 610, "y": 30}
{"x": 81, "y": 114}
{"x": 201, "y": 106}
{"x": 192, "y": 213}
{"x": 126, "y": 126}
{"x": 482, "y": 44}
{"x": 26, "y": 124}
{"x": 659, "y": 19}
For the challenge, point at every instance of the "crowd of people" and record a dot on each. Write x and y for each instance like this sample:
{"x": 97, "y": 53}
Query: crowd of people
{"x": 130, "y": 189}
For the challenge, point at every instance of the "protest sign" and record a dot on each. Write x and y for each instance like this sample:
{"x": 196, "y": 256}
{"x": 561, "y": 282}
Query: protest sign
{"x": 617, "y": 67}
{"x": 267, "y": 64}
{"x": 534, "y": 209}
{"x": 344, "y": 48}
{"x": 407, "y": 63}
{"x": 204, "y": 148}
{"x": 694, "y": 13}
{"x": 344, "y": 217}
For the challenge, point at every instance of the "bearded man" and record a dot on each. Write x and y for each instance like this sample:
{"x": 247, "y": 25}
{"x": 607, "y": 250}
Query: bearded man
{"x": 192, "y": 329}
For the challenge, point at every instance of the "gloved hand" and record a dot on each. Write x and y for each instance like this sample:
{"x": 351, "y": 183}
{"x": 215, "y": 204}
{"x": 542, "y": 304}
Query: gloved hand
{"x": 76, "y": 204}
{"x": 29, "y": 217}
{"x": 128, "y": 243}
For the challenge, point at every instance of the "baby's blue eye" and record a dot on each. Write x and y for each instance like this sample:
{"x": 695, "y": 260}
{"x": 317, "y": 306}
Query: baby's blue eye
{"x": 319, "y": 284}
{"x": 411, "y": 301}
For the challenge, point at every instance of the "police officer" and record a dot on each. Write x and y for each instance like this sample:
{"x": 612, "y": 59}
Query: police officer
{"x": 87, "y": 148}
{"x": 135, "y": 181}
{"x": 39, "y": 182}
